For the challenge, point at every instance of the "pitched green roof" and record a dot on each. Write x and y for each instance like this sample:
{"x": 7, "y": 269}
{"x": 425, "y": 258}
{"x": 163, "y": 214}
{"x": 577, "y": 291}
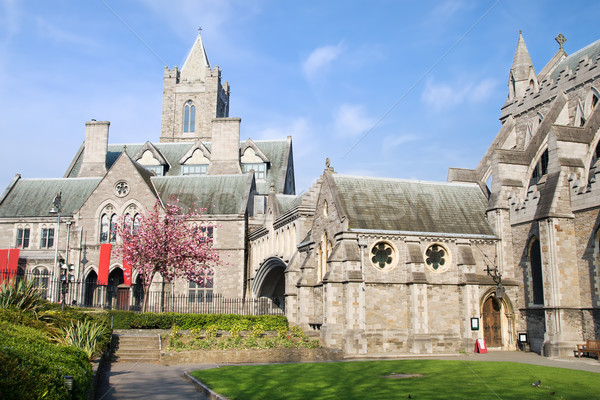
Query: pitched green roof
{"x": 287, "y": 201}
{"x": 219, "y": 194}
{"x": 591, "y": 51}
{"x": 34, "y": 197}
{"x": 413, "y": 206}
{"x": 275, "y": 150}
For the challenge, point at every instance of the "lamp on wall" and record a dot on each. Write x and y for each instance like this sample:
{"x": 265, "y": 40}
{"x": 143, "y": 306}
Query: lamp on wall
{"x": 56, "y": 208}
{"x": 497, "y": 278}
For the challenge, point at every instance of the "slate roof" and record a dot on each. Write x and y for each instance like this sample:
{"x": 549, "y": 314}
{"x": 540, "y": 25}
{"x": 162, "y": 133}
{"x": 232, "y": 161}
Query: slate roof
{"x": 219, "y": 194}
{"x": 413, "y": 206}
{"x": 592, "y": 51}
{"x": 275, "y": 150}
{"x": 286, "y": 202}
{"x": 34, "y": 197}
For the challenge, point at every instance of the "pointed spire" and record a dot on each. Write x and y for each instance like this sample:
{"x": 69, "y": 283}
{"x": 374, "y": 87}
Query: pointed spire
{"x": 522, "y": 62}
{"x": 522, "y": 73}
{"x": 196, "y": 62}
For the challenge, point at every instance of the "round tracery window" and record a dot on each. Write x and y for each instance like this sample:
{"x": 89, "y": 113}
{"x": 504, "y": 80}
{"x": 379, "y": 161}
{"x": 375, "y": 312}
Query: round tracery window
{"x": 122, "y": 188}
{"x": 382, "y": 255}
{"x": 437, "y": 257}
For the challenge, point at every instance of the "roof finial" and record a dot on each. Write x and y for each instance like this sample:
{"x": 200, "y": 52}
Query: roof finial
{"x": 199, "y": 30}
{"x": 560, "y": 39}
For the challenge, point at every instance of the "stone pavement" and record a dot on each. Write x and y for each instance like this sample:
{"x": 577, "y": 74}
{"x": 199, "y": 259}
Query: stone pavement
{"x": 153, "y": 381}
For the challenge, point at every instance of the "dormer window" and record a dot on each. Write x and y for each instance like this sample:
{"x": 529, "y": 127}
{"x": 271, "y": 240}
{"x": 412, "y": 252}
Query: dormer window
{"x": 189, "y": 117}
{"x": 540, "y": 169}
{"x": 194, "y": 169}
{"x": 159, "y": 170}
{"x": 260, "y": 169}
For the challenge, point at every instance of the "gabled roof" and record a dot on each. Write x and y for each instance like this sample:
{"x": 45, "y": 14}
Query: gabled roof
{"x": 383, "y": 204}
{"x": 34, "y": 197}
{"x": 155, "y": 153}
{"x": 219, "y": 194}
{"x": 276, "y": 151}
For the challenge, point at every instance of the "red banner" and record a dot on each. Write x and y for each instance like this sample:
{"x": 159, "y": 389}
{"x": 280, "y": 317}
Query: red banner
{"x": 3, "y": 265}
{"x": 104, "y": 264}
{"x": 126, "y": 273}
{"x": 13, "y": 263}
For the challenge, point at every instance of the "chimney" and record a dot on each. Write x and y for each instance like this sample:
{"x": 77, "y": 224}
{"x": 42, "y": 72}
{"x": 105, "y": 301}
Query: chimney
{"x": 225, "y": 151}
{"x": 96, "y": 146}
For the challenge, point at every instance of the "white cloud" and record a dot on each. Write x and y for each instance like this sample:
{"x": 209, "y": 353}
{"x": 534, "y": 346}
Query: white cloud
{"x": 55, "y": 33}
{"x": 320, "y": 59}
{"x": 390, "y": 142}
{"x": 351, "y": 120}
{"x": 441, "y": 96}
{"x": 446, "y": 9}
{"x": 185, "y": 15}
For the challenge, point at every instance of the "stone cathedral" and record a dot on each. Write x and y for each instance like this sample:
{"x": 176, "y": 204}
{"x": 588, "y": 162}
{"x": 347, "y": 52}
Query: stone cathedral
{"x": 508, "y": 251}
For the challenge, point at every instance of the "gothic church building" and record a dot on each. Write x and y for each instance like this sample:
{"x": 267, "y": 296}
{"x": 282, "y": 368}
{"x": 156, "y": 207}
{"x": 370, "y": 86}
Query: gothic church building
{"x": 504, "y": 252}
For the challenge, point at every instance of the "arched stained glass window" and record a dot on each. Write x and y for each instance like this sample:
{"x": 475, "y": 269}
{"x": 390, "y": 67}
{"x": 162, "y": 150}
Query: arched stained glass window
{"x": 113, "y": 229}
{"x": 189, "y": 117}
{"x": 104, "y": 228}
{"x": 136, "y": 224}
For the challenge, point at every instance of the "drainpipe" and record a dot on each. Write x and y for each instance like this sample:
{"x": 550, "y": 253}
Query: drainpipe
{"x": 362, "y": 244}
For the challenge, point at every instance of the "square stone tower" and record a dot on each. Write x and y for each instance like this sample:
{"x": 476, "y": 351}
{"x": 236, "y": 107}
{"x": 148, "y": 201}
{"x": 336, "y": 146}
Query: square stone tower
{"x": 192, "y": 98}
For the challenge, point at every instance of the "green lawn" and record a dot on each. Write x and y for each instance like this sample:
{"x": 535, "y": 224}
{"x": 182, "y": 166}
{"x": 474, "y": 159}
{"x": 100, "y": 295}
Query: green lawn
{"x": 442, "y": 379}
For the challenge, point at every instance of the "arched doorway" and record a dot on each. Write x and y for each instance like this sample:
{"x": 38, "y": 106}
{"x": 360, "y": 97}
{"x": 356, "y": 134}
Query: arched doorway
{"x": 90, "y": 296}
{"x": 270, "y": 281}
{"x": 492, "y": 322}
{"x": 117, "y": 294}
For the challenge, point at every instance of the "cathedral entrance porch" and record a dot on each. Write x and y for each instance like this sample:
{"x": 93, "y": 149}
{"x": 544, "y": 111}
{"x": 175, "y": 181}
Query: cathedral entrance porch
{"x": 269, "y": 281}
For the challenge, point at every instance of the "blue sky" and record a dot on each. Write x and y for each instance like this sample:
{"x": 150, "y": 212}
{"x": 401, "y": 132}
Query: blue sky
{"x": 421, "y": 83}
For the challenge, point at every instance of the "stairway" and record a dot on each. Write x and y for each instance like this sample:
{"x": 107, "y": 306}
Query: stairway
{"x": 138, "y": 348}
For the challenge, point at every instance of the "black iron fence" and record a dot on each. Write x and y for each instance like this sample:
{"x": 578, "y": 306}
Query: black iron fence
{"x": 121, "y": 297}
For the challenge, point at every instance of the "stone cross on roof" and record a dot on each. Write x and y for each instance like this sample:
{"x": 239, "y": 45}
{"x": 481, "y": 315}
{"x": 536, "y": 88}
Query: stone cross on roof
{"x": 560, "y": 39}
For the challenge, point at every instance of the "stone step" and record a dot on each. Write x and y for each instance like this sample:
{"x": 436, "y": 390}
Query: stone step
{"x": 142, "y": 349}
{"x": 144, "y": 360}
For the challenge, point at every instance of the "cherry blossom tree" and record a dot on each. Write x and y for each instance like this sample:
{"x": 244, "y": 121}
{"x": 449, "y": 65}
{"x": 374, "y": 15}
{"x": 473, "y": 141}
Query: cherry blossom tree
{"x": 169, "y": 242}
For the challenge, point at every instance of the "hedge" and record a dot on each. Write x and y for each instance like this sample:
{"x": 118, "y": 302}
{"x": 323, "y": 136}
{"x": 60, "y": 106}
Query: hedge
{"x": 131, "y": 320}
{"x": 32, "y": 366}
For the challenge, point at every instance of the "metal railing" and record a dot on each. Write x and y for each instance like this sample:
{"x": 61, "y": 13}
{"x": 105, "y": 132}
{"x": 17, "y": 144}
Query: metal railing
{"x": 120, "y": 297}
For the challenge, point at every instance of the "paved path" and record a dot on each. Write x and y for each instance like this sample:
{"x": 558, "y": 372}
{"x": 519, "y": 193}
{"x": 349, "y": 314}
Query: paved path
{"x": 152, "y": 381}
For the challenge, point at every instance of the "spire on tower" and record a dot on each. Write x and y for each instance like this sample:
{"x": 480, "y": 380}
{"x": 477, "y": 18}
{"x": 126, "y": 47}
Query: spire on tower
{"x": 522, "y": 73}
{"x": 196, "y": 62}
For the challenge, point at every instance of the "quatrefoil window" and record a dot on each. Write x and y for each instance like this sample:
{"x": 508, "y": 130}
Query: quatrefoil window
{"x": 382, "y": 255}
{"x": 436, "y": 256}
{"x": 122, "y": 188}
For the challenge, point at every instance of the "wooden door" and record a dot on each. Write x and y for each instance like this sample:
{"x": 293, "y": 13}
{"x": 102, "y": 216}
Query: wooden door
{"x": 123, "y": 298}
{"x": 492, "y": 330}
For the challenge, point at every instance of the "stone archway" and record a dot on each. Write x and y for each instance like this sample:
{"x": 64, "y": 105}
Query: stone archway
{"x": 498, "y": 320}
{"x": 492, "y": 322}
{"x": 269, "y": 281}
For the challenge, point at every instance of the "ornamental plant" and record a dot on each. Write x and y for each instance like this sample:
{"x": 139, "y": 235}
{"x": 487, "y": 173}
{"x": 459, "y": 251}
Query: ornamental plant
{"x": 169, "y": 242}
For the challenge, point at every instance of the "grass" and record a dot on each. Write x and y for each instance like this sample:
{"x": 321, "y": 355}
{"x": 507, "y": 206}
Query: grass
{"x": 442, "y": 379}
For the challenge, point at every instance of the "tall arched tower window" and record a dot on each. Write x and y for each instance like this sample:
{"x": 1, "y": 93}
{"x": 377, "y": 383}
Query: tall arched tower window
{"x": 537, "y": 281}
{"x": 189, "y": 117}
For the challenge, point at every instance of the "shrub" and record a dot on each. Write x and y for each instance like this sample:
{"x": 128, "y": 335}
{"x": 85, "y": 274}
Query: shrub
{"x": 85, "y": 335}
{"x": 257, "y": 330}
{"x": 32, "y": 367}
{"x": 211, "y": 331}
{"x": 235, "y": 330}
{"x": 24, "y": 295}
{"x": 130, "y": 320}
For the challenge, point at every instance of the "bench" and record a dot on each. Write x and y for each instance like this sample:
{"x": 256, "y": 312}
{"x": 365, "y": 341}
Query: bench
{"x": 590, "y": 347}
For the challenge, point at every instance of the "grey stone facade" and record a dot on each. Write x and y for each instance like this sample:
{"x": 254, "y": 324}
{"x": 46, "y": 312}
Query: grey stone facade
{"x": 374, "y": 265}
